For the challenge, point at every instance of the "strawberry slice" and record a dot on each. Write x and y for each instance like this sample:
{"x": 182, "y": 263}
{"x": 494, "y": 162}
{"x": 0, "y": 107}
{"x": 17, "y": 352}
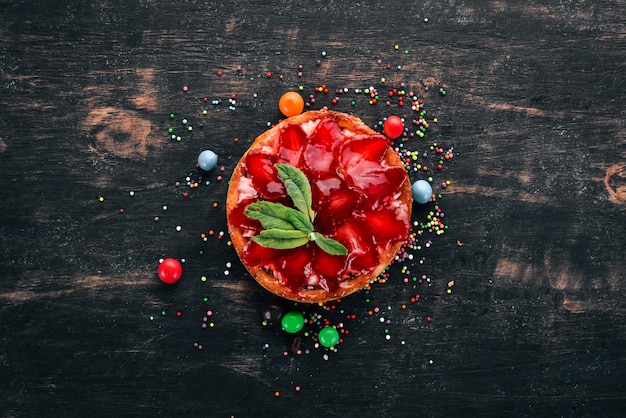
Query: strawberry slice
{"x": 324, "y": 187}
{"x": 356, "y": 235}
{"x": 334, "y": 201}
{"x": 292, "y": 141}
{"x": 327, "y": 133}
{"x": 363, "y": 147}
{"x": 361, "y": 159}
{"x": 238, "y": 219}
{"x": 257, "y": 255}
{"x": 330, "y": 267}
{"x": 318, "y": 159}
{"x": 319, "y": 152}
{"x": 380, "y": 183}
{"x": 388, "y": 225}
{"x": 342, "y": 203}
{"x": 264, "y": 176}
{"x": 293, "y": 267}
{"x": 292, "y": 137}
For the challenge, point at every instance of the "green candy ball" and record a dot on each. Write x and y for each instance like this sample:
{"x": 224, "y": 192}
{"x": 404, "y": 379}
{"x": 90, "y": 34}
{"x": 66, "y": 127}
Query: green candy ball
{"x": 292, "y": 322}
{"x": 328, "y": 336}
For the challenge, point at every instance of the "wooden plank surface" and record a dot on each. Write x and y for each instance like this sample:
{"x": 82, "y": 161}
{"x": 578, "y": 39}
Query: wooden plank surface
{"x": 522, "y": 313}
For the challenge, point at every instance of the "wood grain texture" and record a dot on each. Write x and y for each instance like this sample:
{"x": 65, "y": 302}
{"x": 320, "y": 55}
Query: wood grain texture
{"x": 535, "y": 110}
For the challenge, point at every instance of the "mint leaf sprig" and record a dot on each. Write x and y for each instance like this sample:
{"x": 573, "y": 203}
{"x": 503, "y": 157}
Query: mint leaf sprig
{"x": 286, "y": 227}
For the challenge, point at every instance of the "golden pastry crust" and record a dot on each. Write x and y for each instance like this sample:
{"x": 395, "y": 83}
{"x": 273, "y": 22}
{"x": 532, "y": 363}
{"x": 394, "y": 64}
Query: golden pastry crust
{"x": 265, "y": 277}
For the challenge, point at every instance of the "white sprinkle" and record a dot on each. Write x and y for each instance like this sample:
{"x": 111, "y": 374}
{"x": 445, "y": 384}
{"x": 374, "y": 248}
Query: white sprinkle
{"x": 178, "y": 228}
{"x": 131, "y": 194}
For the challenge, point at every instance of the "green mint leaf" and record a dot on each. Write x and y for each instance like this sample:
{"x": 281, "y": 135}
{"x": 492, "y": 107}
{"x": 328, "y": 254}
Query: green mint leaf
{"x": 329, "y": 245}
{"x": 298, "y": 188}
{"x": 281, "y": 238}
{"x": 270, "y": 214}
{"x": 276, "y": 216}
{"x": 300, "y": 220}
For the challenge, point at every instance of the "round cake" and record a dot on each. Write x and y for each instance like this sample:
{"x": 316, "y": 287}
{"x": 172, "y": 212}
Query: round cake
{"x": 318, "y": 206}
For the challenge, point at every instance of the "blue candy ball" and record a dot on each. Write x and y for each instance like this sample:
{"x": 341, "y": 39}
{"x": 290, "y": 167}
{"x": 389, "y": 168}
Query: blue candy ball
{"x": 207, "y": 160}
{"x": 422, "y": 191}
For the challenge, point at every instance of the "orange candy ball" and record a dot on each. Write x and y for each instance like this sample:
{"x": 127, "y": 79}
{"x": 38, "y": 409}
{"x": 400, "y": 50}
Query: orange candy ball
{"x": 291, "y": 104}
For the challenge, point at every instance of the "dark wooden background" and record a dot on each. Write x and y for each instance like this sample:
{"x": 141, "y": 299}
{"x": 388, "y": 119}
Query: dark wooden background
{"x": 535, "y": 109}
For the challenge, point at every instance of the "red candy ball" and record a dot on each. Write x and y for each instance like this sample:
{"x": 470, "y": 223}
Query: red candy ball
{"x": 393, "y": 127}
{"x": 170, "y": 271}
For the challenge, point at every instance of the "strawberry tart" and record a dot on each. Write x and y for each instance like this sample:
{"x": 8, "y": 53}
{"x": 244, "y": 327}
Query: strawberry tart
{"x": 318, "y": 206}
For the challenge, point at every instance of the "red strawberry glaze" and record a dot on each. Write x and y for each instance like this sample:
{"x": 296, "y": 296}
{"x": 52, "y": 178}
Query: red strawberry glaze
{"x": 386, "y": 224}
{"x": 320, "y": 150}
{"x": 255, "y": 254}
{"x": 363, "y": 147}
{"x": 294, "y": 268}
{"x": 333, "y": 202}
{"x": 292, "y": 142}
{"x": 329, "y": 267}
{"x": 260, "y": 169}
{"x": 293, "y": 264}
{"x": 353, "y": 195}
{"x": 237, "y": 218}
{"x": 356, "y": 235}
{"x": 377, "y": 184}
